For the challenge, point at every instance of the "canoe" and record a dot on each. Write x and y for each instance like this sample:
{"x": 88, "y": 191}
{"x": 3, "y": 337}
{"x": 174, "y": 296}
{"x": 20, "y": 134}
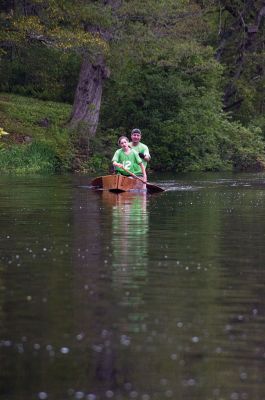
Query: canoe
{"x": 117, "y": 183}
{"x": 121, "y": 183}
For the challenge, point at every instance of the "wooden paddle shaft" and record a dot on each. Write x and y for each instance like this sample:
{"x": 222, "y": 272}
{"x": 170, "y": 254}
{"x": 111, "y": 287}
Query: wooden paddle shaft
{"x": 151, "y": 188}
{"x": 132, "y": 174}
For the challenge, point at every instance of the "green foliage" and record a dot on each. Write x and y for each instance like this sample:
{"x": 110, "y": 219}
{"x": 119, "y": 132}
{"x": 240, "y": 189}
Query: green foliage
{"x": 32, "y": 111}
{"x": 259, "y": 122}
{"x": 251, "y": 88}
{"x": 54, "y": 23}
{"x": 242, "y": 147}
{"x": 102, "y": 148}
{"x": 165, "y": 80}
{"x": 180, "y": 114}
{"x": 42, "y": 73}
{"x": 32, "y": 158}
{"x": 42, "y": 124}
{"x": 237, "y": 33}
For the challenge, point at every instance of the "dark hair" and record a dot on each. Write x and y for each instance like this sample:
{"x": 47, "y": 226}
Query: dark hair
{"x": 123, "y": 137}
{"x": 136, "y": 130}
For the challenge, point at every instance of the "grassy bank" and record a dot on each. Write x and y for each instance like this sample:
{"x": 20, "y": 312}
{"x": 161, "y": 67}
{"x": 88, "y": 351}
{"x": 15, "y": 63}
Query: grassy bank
{"x": 37, "y": 141}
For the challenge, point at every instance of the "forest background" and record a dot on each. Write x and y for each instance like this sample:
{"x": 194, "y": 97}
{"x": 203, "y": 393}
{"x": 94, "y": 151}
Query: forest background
{"x": 75, "y": 75}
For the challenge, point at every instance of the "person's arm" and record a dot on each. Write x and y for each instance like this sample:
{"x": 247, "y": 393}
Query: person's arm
{"x": 144, "y": 172}
{"x": 147, "y": 157}
{"x": 144, "y": 154}
{"x": 115, "y": 159}
{"x": 116, "y": 164}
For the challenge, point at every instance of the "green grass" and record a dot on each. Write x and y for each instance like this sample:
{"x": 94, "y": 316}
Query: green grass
{"x": 48, "y": 146}
{"x": 34, "y": 158}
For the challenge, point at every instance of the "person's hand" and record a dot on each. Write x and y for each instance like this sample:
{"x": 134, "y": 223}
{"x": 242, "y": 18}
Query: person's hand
{"x": 141, "y": 155}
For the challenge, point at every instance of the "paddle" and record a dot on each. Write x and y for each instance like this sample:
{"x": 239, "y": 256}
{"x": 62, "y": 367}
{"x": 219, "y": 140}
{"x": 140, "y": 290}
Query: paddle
{"x": 151, "y": 188}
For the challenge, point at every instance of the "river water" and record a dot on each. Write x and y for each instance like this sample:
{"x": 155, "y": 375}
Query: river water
{"x": 132, "y": 296}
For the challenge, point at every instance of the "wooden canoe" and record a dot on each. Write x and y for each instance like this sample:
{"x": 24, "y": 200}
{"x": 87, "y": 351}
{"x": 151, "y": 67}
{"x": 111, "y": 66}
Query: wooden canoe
{"x": 121, "y": 183}
{"x": 118, "y": 183}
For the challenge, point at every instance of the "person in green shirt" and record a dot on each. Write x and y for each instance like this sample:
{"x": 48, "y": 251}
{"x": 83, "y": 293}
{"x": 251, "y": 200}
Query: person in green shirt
{"x": 138, "y": 146}
{"x": 129, "y": 159}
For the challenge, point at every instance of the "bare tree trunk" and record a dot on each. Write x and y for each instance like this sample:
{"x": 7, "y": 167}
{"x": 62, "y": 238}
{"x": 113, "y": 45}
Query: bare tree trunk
{"x": 87, "y": 102}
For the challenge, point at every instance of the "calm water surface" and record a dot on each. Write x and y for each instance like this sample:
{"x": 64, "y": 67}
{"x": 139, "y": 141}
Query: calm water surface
{"x": 132, "y": 296}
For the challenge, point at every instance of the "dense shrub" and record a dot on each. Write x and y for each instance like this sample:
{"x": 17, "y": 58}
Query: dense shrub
{"x": 40, "y": 72}
{"x": 180, "y": 114}
{"x": 102, "y": 148}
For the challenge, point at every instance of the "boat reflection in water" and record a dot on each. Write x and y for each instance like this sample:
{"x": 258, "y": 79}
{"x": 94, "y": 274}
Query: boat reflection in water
{"x": 111, "y": 311}
{"x": 129, "y": 248}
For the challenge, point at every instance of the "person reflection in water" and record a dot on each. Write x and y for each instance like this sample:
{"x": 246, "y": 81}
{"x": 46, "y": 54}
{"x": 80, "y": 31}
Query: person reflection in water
{"x": 129, "y": 246}
{"x": 128, "y": 272}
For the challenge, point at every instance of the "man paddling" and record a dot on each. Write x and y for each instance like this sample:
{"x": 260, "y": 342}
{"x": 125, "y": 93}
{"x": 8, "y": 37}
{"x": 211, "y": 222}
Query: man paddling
{"x": 139, "y": 147}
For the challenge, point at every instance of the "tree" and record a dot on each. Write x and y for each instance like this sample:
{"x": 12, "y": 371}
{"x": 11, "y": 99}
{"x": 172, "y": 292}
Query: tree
{"x": 94, "y": 29}
{"x": 240, "y": 46}
{"x": 134, "y": 29}
{"x": 62, "y": 25}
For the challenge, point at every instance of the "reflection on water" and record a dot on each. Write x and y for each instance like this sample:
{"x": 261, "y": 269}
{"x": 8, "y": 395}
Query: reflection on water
{"x": 132, "y": 296}
{"x": 128, "y": 243}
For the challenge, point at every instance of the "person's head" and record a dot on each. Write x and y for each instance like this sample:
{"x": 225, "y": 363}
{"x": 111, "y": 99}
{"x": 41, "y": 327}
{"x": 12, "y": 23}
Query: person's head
{"x": 136, "y": 135}
{"x": 123, "y": 142}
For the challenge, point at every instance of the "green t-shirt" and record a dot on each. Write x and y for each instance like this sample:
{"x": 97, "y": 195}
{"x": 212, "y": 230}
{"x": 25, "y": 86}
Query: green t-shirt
{"x": 130, "y": 161}
{"x": 141, "y": 148}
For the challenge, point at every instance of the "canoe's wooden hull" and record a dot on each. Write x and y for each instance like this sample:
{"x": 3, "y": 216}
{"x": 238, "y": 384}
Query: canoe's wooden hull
{"x": 118, "y": 183}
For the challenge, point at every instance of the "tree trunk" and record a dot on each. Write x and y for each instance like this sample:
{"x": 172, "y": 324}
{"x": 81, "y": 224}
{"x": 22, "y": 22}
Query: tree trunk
{"x": 87, "y": 102}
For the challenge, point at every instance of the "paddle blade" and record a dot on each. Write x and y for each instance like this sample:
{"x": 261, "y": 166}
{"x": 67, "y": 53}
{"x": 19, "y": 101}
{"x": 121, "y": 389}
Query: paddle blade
{"x": 154, "y": 188}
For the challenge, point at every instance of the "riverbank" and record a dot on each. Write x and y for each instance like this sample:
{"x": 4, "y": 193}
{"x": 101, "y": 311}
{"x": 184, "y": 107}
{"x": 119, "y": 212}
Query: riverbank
{"x": 36, "y": 142}
{"x": 39, "y": 142}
